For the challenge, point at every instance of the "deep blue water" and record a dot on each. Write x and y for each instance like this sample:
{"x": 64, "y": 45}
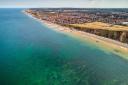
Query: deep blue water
{"x": 33, "y": 54}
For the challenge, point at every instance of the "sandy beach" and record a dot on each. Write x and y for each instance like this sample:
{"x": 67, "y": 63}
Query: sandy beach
{"x": 106, "y": 44}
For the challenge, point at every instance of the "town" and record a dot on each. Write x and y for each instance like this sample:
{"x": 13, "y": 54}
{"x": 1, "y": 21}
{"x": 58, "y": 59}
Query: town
{"x": 64, "y": 16}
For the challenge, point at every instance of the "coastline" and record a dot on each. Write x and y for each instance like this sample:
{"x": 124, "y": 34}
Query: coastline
{"x": 106, "y": 44}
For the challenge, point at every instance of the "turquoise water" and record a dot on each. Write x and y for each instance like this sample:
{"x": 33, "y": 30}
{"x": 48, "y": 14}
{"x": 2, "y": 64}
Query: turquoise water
{"x": 32, "y": 54}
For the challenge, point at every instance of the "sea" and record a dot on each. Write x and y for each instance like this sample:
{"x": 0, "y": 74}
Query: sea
{"x": 33, "y": 54}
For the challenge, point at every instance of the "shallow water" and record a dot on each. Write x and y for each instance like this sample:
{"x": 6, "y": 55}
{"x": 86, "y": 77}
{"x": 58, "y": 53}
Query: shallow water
{"x": 32, "y": 54}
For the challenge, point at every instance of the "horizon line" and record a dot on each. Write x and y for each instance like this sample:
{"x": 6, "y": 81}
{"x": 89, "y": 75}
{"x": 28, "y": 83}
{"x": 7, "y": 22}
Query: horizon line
{"x": 73, "y": 7}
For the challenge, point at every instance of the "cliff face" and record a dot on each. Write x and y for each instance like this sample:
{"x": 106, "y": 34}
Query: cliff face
{"x": 124, "y": 37}
{"x": 121, "y": 36}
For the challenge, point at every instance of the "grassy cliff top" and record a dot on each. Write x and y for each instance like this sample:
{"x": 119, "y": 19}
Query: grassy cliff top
{"x": 100, "y": 25}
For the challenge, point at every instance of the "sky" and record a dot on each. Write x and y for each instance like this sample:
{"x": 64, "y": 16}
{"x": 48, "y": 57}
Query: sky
{"x": 64, "y": 3}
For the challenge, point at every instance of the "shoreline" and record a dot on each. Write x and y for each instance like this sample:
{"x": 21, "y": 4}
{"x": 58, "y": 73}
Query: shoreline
{"x": 106, "y": 44}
